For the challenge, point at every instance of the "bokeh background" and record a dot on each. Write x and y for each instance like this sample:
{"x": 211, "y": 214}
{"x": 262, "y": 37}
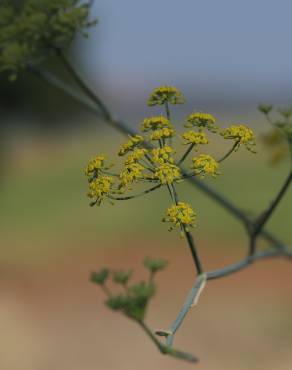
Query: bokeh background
{"x": 226, "y": 57}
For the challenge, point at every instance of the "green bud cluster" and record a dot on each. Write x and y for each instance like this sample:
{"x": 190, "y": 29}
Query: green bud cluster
{"x": 39, "y": 27}
{"x": 134, "y": 299}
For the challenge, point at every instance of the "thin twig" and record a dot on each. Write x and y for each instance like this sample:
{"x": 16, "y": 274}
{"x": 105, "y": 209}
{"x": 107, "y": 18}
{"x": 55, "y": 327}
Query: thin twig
{"x": 264, "y": 218}
{"x": 136, "y": 195}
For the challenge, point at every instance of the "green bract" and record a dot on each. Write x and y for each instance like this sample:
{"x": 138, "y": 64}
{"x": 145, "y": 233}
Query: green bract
{"x": 28, "y": 35}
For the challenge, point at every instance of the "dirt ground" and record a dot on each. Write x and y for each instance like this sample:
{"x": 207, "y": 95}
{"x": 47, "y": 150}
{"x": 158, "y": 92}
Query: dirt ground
{"x": 52, "y": 318}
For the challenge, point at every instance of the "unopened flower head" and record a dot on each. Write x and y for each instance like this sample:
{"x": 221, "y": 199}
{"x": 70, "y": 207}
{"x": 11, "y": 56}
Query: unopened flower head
{"x": 201, "y": 120}
{"x": 166, "y": 94}
{"x": 134, "y": 141}
{"x": 163, "y": 155}
{"x": 180, "y": 214}
{"x": 240, "y": 134}
{"x": 205, "y": 164}
{"x": 192, "y": 137}
{"x": 167, "y": 173}
{"x": 155, "y": 123}
{"x": 100, "y": 188}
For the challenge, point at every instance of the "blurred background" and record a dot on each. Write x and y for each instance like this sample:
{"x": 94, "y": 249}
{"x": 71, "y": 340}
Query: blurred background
{"x": 226, "y": 57}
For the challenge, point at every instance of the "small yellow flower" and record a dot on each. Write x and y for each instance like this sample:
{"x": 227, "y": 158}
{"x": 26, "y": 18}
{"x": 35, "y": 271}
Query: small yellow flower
{"x": 95, "y": 165}
{"x": 164, "y": 133}
{"x": 155, "y": 123}
{"x": 167, "y": 173}
{"x": 201, "y": 120}
{"x": 241, "y": 134}
{"x": 192, "y": 137}
{"x": 136, "y": 155}
{"x": 180, "y": 214}
{"x": 206, "y": 165}
{"x": 100, "y": 188}
{"x": 162, "y": 155}
{"x": 131, "y": 173}
{"x": 134, "y": 141}
{"x": 166, "y": 94}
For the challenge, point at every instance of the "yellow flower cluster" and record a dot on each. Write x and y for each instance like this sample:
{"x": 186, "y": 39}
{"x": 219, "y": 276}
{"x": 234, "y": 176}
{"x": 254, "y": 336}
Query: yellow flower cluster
{"x": 100, "y": 188}
{"x": 166, "y": 94}
{"x": 158, "y": 165}
{"x": 95, "y": 165}
{"x": 155, "y": 123}
{"x": 167, "y": 173}
{"x": 162, "y": 155}
{"x": 131, "y": 172}
{"x": 192, "y": 137}
{"x": 136, "y": 155}
{"x": 180, "y": 214}
{"x": 241, "y": 134}
{"x": 205, "y": 164}
{"x": 164, "y": 133}
{"x": 201, "y": 120}
{"x": 134, "y": 141}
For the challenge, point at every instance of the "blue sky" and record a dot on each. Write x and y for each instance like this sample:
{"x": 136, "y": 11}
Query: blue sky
{"x": 234, "y": 46}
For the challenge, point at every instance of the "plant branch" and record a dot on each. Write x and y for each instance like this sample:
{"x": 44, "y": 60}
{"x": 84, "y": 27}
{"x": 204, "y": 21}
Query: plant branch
{"x": 191, "y": 301}
{"x": 137, "y": 195}
{"x": 228, "y": 153}
{"x": 187, "y": 152}
{"x": 165, "y": 349}
{"x": 264, "y": 218}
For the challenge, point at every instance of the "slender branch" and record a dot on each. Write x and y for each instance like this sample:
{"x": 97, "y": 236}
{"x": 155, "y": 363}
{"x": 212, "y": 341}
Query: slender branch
{"x": 82, "y": 85}
{"x": 187, "y": 152}
{"x": 165, "y": 349}
{"x": 228, "y": 153}
{"x": 191, "y": 301}
{"x": 246, "y": 262}
{"x": 137, "y": 195}
{"x": 226, "y": 203}
{"x": 188, "y": 235}
{"x": 264, "y": 218}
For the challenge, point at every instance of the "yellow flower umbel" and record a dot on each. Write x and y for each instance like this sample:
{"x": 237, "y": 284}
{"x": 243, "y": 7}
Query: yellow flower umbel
{"x": 167, "y": 173}
{"x": 196, "y": 138}
{"x": 180, "y": 215}
{"x": 162, "y": 155}
{"x": 95, "y": 165}
{"x": 241, "y": 134}
{"x": 164, "y": 133}
{"x": 100, "y": 188}
{"x": 166, "y": 94}
{"x": 204, "y": 164}
{"x": 201, "y": 120}
{"x": 136, "y": 155}
{"x": 131, "y": 172}
{"x": 134, "y": 141}
{"x": 155, "y": 123}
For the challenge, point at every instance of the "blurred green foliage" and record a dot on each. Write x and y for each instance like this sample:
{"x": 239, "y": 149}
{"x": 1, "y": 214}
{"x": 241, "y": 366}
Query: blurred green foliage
{"x": 38, "y": 28}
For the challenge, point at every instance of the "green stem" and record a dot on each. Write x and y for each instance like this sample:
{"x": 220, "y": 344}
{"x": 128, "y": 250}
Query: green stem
{"x": 188, "y": 235}
{"x": 264, "y": 218}
{"x": 165, "y": 349}
{"x": 137, "y": 195}
{"x": 228, "y": 153}
{"x": 190, "y": 148}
